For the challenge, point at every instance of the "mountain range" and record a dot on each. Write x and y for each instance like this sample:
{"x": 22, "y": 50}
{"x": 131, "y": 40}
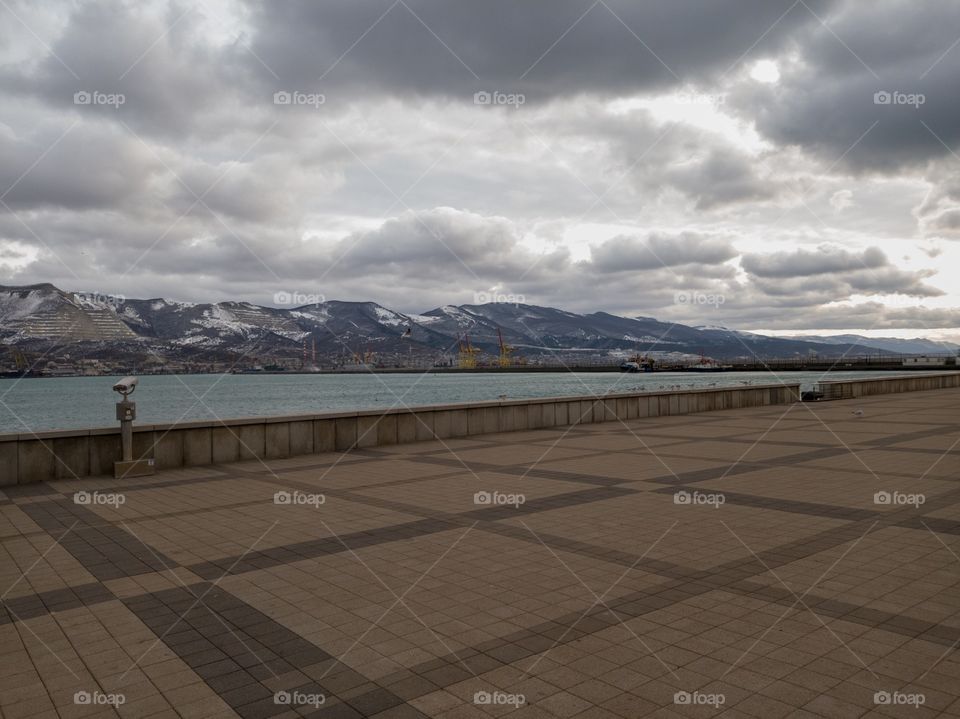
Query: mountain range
{"x": 44, "y": 318}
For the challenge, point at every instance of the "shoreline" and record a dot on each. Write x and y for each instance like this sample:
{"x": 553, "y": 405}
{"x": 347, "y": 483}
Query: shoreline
{"x": 771, "y": 366}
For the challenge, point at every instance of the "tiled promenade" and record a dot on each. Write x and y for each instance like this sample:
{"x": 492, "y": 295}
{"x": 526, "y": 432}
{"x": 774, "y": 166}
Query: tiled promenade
{"x": 586, "y": 587}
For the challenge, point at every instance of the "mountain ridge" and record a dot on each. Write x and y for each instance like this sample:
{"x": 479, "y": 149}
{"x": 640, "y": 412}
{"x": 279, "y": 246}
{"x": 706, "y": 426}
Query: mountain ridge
{"x": 44, "y": 318}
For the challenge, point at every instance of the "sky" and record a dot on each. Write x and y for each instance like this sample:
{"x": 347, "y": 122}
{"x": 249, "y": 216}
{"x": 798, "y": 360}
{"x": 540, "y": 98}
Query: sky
{"x": 780, "y": 166}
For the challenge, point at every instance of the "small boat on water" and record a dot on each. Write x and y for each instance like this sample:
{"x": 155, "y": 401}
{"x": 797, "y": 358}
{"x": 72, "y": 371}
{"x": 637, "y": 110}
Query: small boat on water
{"x": 637, "y": 364}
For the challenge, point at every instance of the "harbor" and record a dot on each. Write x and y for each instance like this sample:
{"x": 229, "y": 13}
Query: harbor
{"x": 56, "y": 403}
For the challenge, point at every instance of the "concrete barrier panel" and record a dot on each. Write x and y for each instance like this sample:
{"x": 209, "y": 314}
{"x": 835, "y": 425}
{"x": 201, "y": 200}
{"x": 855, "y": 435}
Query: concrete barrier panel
{"x": 608, "y": 409}
{"x": 346, "y": 433}
{"x": 168, "y": 451}
{"x": 653, "y": 406}
{"x": 197, "y": 446}
{"x": 534, "y": 416}
{"x": 443, "y": 424}
{"x": 301, "y": 438}
{"x": 459, "y": 426}
{"x": 521, "y": 416}
{"x": 36, "y": 459}
{"x": 144, "y": 445}
{"x": 73, "y": 457}
{"x": 104, "y": 451}
{"x": 324, "y": 435}
{"x": 225, "y": 445}
{"x": 548, "y": 414}
{"x": 8, "y": 463}
{"x": 367, "y": 430}
{"x": 475, "y": 421}
{"x": 253, "y": 441}
{"x": 643, "y": 407}
{"x": 491, "y": 420}
{"x": 387, "y": 430}
{"x": 406, "y": 427}
{"x": 664, "y": 405}
{"x": 277, "y": 440}
{"x": 508, "y": 420}
{"x": 590, "y": 412}
{"x": 425, "y": 423}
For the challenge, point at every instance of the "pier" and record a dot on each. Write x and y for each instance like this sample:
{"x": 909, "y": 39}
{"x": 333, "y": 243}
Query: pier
{"x": 794, "y": 559}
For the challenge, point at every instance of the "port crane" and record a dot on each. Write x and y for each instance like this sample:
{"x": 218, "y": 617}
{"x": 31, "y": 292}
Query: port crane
{"x": 363, "y": 356}
{"x": 468, "y": 353}
{"x": 505, "y": 350}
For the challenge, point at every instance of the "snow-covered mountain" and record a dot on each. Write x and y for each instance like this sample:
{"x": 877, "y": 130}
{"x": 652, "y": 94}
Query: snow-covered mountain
{"x": 41, "y": 316}
{"x": 913, "y": 346}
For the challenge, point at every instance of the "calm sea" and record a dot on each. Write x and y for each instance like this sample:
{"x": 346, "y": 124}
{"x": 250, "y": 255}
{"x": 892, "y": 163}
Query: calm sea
{"x": 70, "y": 402}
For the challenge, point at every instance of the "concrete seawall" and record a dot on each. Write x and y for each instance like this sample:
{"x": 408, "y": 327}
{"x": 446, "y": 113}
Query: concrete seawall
{"x": 35, "y": 457}
{"x": 851, "y": 389}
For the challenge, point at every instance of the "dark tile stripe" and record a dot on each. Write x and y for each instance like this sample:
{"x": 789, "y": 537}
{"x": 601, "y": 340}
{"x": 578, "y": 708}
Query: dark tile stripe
{"x": 814, "y": 509}
{"x": 314, "y": 548}
{"x": 910, "y": 436}
{"x": 57, "y": 600}
{"x": 105, "y": 550}
{"x": 382, "y": 535}
{"x": 246, "y": 657}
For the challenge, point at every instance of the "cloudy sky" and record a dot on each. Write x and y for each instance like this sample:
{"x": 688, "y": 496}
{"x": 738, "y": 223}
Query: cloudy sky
{"x": 760, "y": 164}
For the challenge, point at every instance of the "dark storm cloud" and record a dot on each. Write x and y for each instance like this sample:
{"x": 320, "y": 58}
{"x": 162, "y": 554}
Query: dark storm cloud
{"x": 462, "y": 243}
{"x": 544, "y": 49}
{"x": 830, "y": 274}
{"x": 805, "y": 263}
{"x": 722, "y": 177}
{"x": 828, "y": 102}
{"x": 172, "y": 82}
{"x": 76, "y": 166}
{"x": 624, "y": 253}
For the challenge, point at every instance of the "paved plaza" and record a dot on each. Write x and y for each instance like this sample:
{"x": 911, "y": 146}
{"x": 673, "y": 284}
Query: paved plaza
{"x": 789, "y": 561}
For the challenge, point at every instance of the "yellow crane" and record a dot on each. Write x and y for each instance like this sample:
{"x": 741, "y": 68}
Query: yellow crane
{"x": 19, "y": 358}
{"x": 505, "y": 350}
{"x": 468, "y": 353}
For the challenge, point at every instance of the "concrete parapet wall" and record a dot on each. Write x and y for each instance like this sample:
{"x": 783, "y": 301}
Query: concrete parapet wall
{"x": 851, "y": 389}
{"x": 40, "y": 456}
